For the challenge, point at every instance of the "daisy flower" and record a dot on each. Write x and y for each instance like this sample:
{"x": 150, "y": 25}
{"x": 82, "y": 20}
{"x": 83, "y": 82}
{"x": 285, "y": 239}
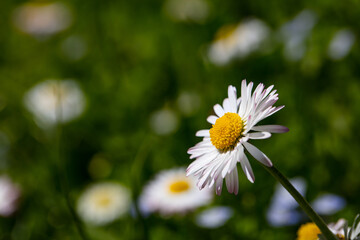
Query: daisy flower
{"x": 9, "y": 196}
{"x": 102, "y": 203}
{"x": 187, "y": 10}
{"x": 54, "y": 101}
{"x": 310, "y": 231}
{"x": 214, "y": 217}
{"x": 237, "y": 41}
{"x": 283, "y": 209}
{"x": 172, "y": 192}
{"x": 42, "y": 19}
{"x": 233, "y": 126}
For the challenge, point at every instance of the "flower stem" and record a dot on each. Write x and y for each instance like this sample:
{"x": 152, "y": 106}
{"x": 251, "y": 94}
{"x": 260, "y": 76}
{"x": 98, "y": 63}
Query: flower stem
{"x": 63, "y": 181}
{"x": 302, "y": 202}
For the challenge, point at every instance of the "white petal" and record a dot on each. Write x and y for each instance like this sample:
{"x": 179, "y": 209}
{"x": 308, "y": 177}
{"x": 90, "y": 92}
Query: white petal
{"x": 212, "y": 119}
{"x": 271, "y": 128}
{"x": 244, "y": 99}
{"x": 219, "y": 110}
{"x": 257, "y": 154}
{"x": 232, "y": 182}
{"x": 227, "y": 105}
{"x": 203, "y": 133}
{"x": 225, "y": 170}
{"x": 218, "y": 185}
{"x": 246, "y": 167}
{"x": 235, "y": 181}
{"x": 196, "y": 153}
{"x": 232, "y": 99}
{"x": 200, "y": 163}
{"x": 229, "y": 183}
{"x": 259, "y": 135}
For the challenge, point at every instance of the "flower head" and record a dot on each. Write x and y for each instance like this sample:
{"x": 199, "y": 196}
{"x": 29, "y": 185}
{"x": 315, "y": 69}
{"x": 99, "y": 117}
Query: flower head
{"x": 102, "y": 203}
{"x": 214, "y": 217}
{"x": 237, "y": 41}
{"x": 9, "y": 195}
{"x": 172, "y": 192}
{"x": 340, "y": 229}
{"x": 42, "y": 19}
{"x": 308, "y": 231}
{"x": 233, "y": 126}
{"x": 54, "y": 101}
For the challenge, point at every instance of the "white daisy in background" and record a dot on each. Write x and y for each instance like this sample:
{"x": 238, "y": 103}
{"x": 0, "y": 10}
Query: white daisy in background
{"x": 54, "y": 101}
{"x": 187, "y": 10}
{"x": 9, "y": 195}
{"x": 283, "y": 209}
{"x": 310, "y": 231}
{"x": 164, "y": 121}
{"x": 188, "y": 103}
{"x": 42, "y": 19}
{"x": 237, "y": 41}
{"x": 214, "y": 217}
{"x": 328, "y": 204}
{"x": 103, "y": 203}
{"x": 74, "y": 48}
{"x": 294, "y": 33}
{"x": 232, "y": 127}
{"x": 341, "y": 44}
{"x": 172, "y": 192}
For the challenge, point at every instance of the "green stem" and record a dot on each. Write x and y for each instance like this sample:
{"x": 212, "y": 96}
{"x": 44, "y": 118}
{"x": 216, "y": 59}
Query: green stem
{"x": 302, "y": 202}
{"x": 65, "y": 186}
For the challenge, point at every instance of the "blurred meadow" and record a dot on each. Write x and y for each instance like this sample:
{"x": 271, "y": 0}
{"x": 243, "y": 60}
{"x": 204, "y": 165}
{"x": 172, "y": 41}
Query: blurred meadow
{"x": 139, "y": 79}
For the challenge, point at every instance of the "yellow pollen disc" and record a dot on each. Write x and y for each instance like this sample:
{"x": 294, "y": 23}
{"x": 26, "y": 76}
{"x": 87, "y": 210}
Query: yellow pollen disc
{"x": 226, "y": 132}
{"x": 103, "y": 201}
{"x": 179, "y": 186}
{"x": 226, "y": 32}
{"x": 308, "y": 231}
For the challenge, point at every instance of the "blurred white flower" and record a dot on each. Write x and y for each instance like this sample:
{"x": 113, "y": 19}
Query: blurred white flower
{"x": 55, "y": 101}
{"x": 328, "y": 204}
{"x": 283, "y": 208}
{"x": 74, "y": 48}
{"x": 172, "y": 192}
{"x": 9, "y": 195}
{"x": 237, "y": 41}
{"x": 187, "y": 10}
{"x": 295, "y": 32}
{"x": 42, "y": 19}
{"x": 341, "y": 44}
{"x": 214, "y": 217}
{"x": 103, "y": 203}
{"x": 164, "y": 121}
{"x": 188, "y": 103}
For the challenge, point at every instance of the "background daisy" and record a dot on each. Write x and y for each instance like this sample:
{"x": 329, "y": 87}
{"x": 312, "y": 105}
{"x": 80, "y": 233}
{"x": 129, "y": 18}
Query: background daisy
{"x": 9, "y": 195}
{"x": 55, "y": 101}
{"x": 102, "y": 203}
{"x": 172, "y": 192}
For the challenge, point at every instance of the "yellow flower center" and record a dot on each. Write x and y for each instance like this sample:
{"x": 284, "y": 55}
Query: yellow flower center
{"x": 179, "y": 186}
{"x": 226, "y": 132}
{"x": 103, "y": 200}
{"x": 226, "y": 32}
{"x": 308, "y": 231}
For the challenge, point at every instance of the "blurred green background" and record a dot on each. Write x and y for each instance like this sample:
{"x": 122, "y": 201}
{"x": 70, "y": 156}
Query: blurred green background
{"x": 135, "y": 58}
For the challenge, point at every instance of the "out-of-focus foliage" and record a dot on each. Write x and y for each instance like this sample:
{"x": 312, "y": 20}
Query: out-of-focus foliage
{"x": 149, "y": 86}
